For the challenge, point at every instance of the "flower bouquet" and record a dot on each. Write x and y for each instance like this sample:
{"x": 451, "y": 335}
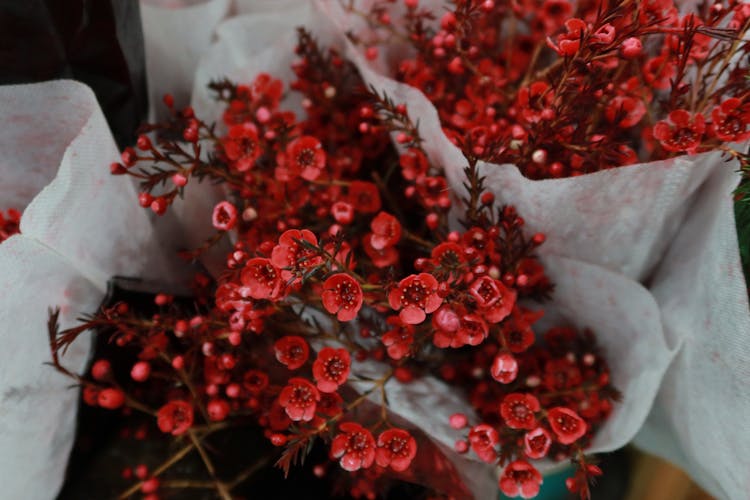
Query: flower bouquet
{"x": 457, "y": 280}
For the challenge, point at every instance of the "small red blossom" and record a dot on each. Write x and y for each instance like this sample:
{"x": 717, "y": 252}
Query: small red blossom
{"x": 9, "y": 224}
{"x": 175, "y": 417}
{"x": 299, "y": 399}
{"x": 520, "y": 478}
{"x": 569, "y": 43}
{"x": 304, "y": 157}
{"x": 386, "y": 231}
{"x": 396, "y": 448}
{"x": 504, "y": 368}
{"x": 291, "y": 351}
{"x": 342, "y": 296}
{"x": 536, "y": 443}
{"x": 255, "y": 381}
{"x": 331, "y": 368}
{"x": 414, "y": 164}
{"x": 262, "y": 279}
{"x": 566, "y": 424}
{"x": 293, "y": 256}
{"x": 384, "y": 257}
{"x": 483, "y": 439}
{"x": 682, "y": 132}
{"x": 242, "y": 146}
{"x": 731, "y": 120}
{"x": 364, "y": 196}
{"x": 399, "y": 339}
{"x": 354, "y": 446}
{"x": 518, "y": 410}
{"x": 225, "y": 216}
{"x": 415, "y": 296}
{"x": 625, "y": 111}
{"x": 495, "y": 299}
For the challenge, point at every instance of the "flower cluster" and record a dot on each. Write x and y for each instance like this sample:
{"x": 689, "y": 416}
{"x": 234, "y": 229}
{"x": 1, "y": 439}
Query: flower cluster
{"x": 564, "y": 88}
{"x": 340, "y": 255}
{"x": 10, "y": 224}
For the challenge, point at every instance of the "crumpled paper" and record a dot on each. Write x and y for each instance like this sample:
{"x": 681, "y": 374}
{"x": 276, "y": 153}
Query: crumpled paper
{"x": 80, "y": 227}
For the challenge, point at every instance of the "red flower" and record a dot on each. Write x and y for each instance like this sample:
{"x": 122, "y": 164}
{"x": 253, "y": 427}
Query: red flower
{"x": 399, "y": 339}
{"x": 504, "y": 368}
{"x": 517, "y": 329}
{"x": 569, "y": 43}
{"x": 659, "y": 72}
{"x": 414, "y": 164}
{"x": 380, "y": 258}
{"x": 299, "y": 399}
{"x": 536, "y": 443}
{"x": 625, "y": 111}
{"x": 354, "y": 446}
{"x": 254, "y": 381}
{"x": 386, "y": 231}
{"x": 330, "y": 404}
{"x": 365, "y": 197}
{"x": 483, "y": 439}
{"x": 262, "y": 279}
{"x": 292, "y": 257}
{"x": 331, "y": 368}
{"x": 175, "y": 417}
{"x": 473, "y": 330}
{"x": 731, "y": 120}
{"x": 518, "y": 410}
{"x": 682, "y": 132}
{"x": 448, "y": 256}
{"x": 291, "y": 351}
{"x": 342, "y": 296}
{"x": 520, "y": 478}
{"x": 225, "y": 216}
{"x": 416, "y": 296}
{"x": 566, "y": 424}
{"x": 495, "y": 299}
{"x": 304, "y": 157}
{"x": 241, "y": 146}
{"x": 396, "y": 448}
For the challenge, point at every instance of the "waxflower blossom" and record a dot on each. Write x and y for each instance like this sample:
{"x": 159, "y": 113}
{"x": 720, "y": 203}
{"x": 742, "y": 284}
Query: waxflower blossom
{"x": 225, "y": 216}
{"x": 415, "y": 296}
{"x": 504, "y": 368}
{"x": 566, "y": 424}
{"x": 299, "y": 399}
{"x": 520, "y": 478}
{"x": 292, "y": 256}
{"x": 242, "y": 146}
{"x": 399, "y": 339}
{"x": 682, "y": 132}
{"x": 396, "y": 449}
{"x": 342, "y": 296}
{"x": 262, "y": 279}
{"x": 731, "y": 120}
{"x": 304, "y": 157}
{"x": 354, "y": 446}
{"x": 331, "y": 368}
{"x": 536, "y": 443}
{"x": 292, "y": 351}
{"x": 386, "y": 231}
{"x": 175, "y": 417}
{"x": 518, "y": 410}
{"x": 483, "y": 439}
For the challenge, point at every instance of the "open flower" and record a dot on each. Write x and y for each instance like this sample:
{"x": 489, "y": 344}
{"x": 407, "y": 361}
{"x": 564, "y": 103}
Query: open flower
{"x": 331, "y": 368}
{"x": 416, "y": 296}
{"x": 566, "y": 424}
{"x": 682, "y": 132}
{"x": 396, "y": 448}
{"x": 262, "y": 279}
{"x": 536, "y": 443}
{"x": 292, "y": 351}
{"x": 483, "y": 439}
{"x": 292, "y": 256}
{"x": 175, "y": 417}
{"x": 242, "y": 146}
{"x": 386, "y": 231}
{"x": 354, "y": 446}
{"x": 342, "y": 296}
{"x": 518, "y": 410}
{"x": 731, "y": 120}
{"x": 520, "y": 478}
{"x": 304, "y": 157}
{"x": 299, "y": 399}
